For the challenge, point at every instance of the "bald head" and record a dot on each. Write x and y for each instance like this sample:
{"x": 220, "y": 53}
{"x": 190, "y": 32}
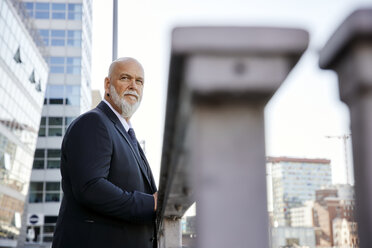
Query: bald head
{"x": 124, "y": 85}
{"x": 122, "y": 60}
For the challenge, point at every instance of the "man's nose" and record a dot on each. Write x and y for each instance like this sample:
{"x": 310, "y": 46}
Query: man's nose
{"x": 133, "y": 84}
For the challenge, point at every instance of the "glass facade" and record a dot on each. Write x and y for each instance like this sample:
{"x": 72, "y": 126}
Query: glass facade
{"x": 54, "y": 126}
{"x": 295, "y": 181}
{"x": 47, "y": 159}
{"x": 63, "y": 95}
{"x": 23, "y": 77}
{"x": 68, "y": 65}
{"x": 45, "y": 192}
{"x": 61, "y": 37}
{"x": 56, "y": 11}
{"x": 65, "y": 29}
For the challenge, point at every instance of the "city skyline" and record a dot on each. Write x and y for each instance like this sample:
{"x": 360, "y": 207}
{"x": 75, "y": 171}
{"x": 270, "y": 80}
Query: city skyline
{"x": 305, "y": 121}
{"x": 305, "y": 109}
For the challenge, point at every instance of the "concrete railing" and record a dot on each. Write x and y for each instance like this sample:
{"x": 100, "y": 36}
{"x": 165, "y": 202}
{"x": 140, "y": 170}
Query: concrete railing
{"x": 349, "y": 53}
{"x": 213, "y": 149}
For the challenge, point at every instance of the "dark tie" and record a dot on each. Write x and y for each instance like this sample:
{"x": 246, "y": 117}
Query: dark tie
{"x": 133, "y": 139}
{"x": 135, "y": 144}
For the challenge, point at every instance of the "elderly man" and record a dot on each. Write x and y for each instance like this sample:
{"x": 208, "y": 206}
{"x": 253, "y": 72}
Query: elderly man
{"x": 109, "y": 192}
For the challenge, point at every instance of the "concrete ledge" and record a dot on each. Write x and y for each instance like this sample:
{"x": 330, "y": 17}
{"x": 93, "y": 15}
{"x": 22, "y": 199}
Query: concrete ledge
{"x": 357, "y": 25}
{"x": 219, "y": 63}
{"x": 242, "y": 40}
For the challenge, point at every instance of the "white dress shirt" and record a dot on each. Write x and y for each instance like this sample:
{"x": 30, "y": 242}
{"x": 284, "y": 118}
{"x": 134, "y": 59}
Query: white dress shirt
{"x": 126, "y": 125}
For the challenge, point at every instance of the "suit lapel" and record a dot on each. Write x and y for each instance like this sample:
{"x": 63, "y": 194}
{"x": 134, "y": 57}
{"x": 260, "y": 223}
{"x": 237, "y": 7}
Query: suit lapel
{"x": 106, "y": 109}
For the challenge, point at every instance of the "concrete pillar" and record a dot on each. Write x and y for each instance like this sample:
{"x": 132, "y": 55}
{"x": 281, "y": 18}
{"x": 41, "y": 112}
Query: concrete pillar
{"x": 170, "y": 234}
{"x": 349, "y": 53}
{"x": 214, "y": 145}
{"x": 230, "y": 175}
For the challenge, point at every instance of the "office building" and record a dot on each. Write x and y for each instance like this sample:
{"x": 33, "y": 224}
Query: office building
{"x": 302, "y": 216}
{"x": 65, "y": 28}
{"x": 335, "y": 202}
{"x": 286, "y": 237}
{"x": 23, "y": 77}
{"x": 345, "y": 233}
{"x": 294, "y": 181}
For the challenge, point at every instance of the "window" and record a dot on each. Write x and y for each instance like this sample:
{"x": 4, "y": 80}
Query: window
{"x": 68, "y": 121}
{"x": 55, "y": 94}
{"x": 56, "y": 64}
{"x": 45, "y": 192}
{"x": 42, "y": 10}
{"x": 53, "y": 158}
{"x": 55, "y": 11}
{"x": 52, "y": 191}
{"x": 74, "y": 38}
{"x": 69, "y": 65}
{"x": 47, "y": 239}
{"x": 44, "y": 34}
{"x": 58, "y": 11}
{"x": 29, "y": 8}
{"x": 73, "y": 65}
{"x": 60, "y": 37}
{"x": 38, "y": 86}
{"x": 39, "y": 158}
{"x": 36, "y": 192}
{"x": 42, "y": 132}
{"x": 17, "y": 56}
{"x": 32, "y": 77}
{"x": 63, "y": 94}
{"x": 73, "y": 95}
{"x": 74, "y": 11}
{"x": 55, "y": 126}
{"x": 49, "y": 228}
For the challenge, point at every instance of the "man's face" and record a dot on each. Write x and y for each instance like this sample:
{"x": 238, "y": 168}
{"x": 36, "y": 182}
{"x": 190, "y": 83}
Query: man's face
{"x": 126, "y": 82}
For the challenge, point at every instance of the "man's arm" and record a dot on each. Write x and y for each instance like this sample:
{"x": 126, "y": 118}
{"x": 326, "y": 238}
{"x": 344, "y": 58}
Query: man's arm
{"x": 88, "y": 150}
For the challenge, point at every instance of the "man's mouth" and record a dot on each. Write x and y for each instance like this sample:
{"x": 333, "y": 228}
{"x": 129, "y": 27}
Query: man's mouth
{"x": 133, "y": 97}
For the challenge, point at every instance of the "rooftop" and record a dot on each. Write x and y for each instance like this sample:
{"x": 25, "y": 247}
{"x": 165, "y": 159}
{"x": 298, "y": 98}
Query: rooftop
{"x": 298, "y": 160}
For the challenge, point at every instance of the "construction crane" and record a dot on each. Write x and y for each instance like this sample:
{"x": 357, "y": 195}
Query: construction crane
{"x": 344, "y": 137}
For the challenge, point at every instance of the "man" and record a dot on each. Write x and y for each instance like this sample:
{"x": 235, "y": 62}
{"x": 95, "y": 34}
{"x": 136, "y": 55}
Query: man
{"x": 109, "y": 192}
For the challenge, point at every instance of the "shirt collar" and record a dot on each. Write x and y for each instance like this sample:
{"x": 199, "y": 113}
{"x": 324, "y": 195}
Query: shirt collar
{"x": 125, "y": 124}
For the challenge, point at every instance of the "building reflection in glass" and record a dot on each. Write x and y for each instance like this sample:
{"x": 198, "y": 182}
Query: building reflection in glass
{"x": 23, "y": 77}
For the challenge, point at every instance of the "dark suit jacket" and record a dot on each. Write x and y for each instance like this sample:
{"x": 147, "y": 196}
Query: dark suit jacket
{"x": 107, "y": 186}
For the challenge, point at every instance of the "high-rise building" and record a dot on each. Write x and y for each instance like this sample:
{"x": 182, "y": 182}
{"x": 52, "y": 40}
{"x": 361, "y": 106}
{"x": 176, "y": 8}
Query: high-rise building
{"x": 23, "y": 77}
{"x": 65, "y": 28}
{"x": 294, "y": 181}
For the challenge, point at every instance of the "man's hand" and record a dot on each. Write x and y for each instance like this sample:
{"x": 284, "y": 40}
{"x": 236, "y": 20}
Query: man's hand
{"x": 155, "y": 200}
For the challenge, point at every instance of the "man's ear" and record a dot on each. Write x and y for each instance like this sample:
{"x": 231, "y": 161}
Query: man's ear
{"x": 107, "y": 84}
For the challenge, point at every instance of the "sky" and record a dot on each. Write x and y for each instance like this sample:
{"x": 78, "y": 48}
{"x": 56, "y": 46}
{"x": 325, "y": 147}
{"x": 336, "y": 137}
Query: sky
{"x": 300, "y": 115}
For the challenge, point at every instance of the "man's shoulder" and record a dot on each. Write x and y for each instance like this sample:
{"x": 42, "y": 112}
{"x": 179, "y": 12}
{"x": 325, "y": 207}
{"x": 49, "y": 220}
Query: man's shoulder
{"x": 93, "y": 117}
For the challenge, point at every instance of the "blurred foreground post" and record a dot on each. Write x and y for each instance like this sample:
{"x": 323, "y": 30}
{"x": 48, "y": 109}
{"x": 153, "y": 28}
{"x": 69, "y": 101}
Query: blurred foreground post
{"x": 349, "y": 53}
{"x": 213, "y": 151}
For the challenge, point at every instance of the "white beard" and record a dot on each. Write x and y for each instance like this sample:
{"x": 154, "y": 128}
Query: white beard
{"x": 127, "y": 109}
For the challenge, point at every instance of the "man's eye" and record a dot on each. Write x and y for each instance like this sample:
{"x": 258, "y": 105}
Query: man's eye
{"x": 139, "y": 81}
{"x": 124, "y": 78}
